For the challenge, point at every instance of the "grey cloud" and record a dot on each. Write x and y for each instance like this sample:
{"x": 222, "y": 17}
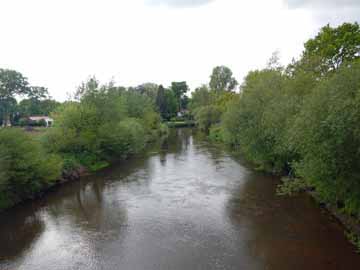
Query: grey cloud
{"x": 178, "y": 3}
{"x": 329, "y": 11}
{"x": 322, "y": 3}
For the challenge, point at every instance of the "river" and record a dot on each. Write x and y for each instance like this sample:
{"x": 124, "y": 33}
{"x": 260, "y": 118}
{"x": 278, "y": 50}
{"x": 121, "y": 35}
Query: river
{"x": 190, "y": 205}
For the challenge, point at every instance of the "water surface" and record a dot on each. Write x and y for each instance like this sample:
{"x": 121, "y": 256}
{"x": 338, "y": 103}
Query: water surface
{"x": 189, "y": 206}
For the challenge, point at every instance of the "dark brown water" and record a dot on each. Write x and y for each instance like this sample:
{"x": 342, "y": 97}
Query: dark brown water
{"x": 189, "y": 206}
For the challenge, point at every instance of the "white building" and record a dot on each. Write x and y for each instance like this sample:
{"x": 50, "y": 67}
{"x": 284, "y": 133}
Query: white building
{"x": 49, "y": 121}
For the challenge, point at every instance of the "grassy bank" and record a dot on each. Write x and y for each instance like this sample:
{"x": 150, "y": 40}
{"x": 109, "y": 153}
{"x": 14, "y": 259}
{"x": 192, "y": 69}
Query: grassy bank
{"x": 103, "y": 126}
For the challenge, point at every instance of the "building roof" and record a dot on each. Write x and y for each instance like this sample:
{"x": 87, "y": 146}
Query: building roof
{"x": 40, "y": 117}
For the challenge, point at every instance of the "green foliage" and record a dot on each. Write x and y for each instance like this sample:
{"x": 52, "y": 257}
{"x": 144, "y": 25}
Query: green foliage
{"x": 28, "y": 107}
{"x": 326, "y": 135}
{"x": 123, "y": 139}
{"x": 207, "y": 116}
{"x": 332, "y": 47}
{"x": 12, "y": 85}
{"x": 164, "y": 130}
{"x": 25, "y": 168}
{"x": 166, "y": 103}
{"x": 222, "y": 79}
{"x": 252, "y": 123}
{"x": 180, "y": 124}
{"x": 303, "y": 121}
{"x": 207, "y": 106}
{"x": 179, "y": 89}
{"x": 149, "y": 90}
{"x": 105, "y": 124}
{"x": 200, "y": 97}
{"x": 291, "y": 186}
{"x": 70, "y": 163}
{"x": 216, "y": 133}
{"x": 354, "y": 239}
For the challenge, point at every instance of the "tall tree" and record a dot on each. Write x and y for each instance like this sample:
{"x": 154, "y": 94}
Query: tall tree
{"x": 200, "y": 97}
{"x": 166, "y": 103}
{"x": 12, "y": 83}
{"x": 222, "y": 79}
{"x": 179, "y": 89}
{"x": 147, "y": 89}
{"x": 38, "y": 93}
{"x": 161, "y": 100}
{"x": 331, "y": 47}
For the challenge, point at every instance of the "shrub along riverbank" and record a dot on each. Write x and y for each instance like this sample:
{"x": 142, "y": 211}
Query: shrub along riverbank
{"x": 104, "y": 124}
{"x": 301, "y": 120}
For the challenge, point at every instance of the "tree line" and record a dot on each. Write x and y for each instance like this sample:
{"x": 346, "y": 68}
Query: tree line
{"x": 301, "y": 120}
{"x": 102, "y": 123}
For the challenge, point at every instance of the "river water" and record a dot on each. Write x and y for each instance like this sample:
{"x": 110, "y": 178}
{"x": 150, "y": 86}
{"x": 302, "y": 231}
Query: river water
{"x": 190, "y": 205}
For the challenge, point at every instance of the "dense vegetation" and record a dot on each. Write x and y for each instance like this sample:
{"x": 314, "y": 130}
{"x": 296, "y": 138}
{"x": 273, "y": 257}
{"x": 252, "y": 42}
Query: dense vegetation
{"x": 98, "y": 125}
{"x": 101, "y": 124}
{"x": 25, "y": 168}
{"x": 302, "y": 120}
{"x": 106, "y": 123}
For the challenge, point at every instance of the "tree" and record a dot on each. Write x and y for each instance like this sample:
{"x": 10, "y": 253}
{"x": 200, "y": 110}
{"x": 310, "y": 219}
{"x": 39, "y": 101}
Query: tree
{"x": 38, "y": 103}
{"x": 160, "y": 100}
{"x": 222, "y": 79}
{"x": 88, "y": 88}
{"x": 166, "y": 103}
{"x": 207, "y": 116}
{"x": 244, "y": 121}
{"x": 8, "y": 109}
{"x": 274, "y": 61}
{"x": 179, "y": 89}
{"x": 171, "y": 104}
{"x": 12, "y": 83}
{"x": 147, "y": 89}
{"x": 200, "y": 97}
{"x": 326, "y": 135}
{"x": 25, "y": 167}
{"x": 27, "y": 107}
{"x": 331, "y": 47}
{"x": 38, "y": 93}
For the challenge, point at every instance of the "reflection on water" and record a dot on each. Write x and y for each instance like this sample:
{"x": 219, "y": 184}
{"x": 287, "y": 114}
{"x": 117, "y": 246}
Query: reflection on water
{"x": 189, "y": 205}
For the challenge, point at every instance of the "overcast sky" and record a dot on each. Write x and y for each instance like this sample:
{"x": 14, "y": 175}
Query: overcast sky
{"x": 59, "y": 43}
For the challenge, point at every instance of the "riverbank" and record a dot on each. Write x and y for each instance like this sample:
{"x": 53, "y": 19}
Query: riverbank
{"x": 350, "y": 224}
{"x": 294, "y": 186}
{"x": 29, "y": 171}
{"x": 189, "y": 206}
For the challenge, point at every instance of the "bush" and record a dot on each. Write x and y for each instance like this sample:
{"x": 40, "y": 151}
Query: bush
{"x": 207, "y": 116}
{"x": 105, "y": 125}
{"x": 327, "y": 136}
{"x": 251, "y": 122}
{"x": 23, "y": 122}
{"x": 290, "y": 186}
{"x": 216, "y": 133}
{"x": 25, "y": 168}
{"x": 164, "y": 130}
{"x": 122, "y": 140}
